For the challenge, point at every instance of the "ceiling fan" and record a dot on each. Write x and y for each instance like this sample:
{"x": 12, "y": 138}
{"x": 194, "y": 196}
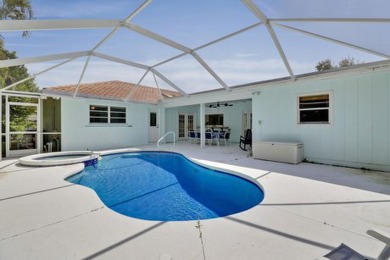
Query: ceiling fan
{"x": 220, "y": 105}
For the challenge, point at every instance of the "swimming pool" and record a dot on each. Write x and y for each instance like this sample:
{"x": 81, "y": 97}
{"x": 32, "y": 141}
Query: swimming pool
{"x": 167, "y": 186}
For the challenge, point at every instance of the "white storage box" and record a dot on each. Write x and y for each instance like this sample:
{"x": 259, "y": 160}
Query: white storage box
{"x": 278, "y": 151}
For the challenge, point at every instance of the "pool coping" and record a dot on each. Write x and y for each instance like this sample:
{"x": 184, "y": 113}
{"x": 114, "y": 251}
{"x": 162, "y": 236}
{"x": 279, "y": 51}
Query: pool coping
{"x": 38, "y": 160}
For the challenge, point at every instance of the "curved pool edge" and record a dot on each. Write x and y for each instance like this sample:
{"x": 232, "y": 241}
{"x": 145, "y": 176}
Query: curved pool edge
{"x": 227, "y": 171}
{"x": 38, "y": 160}
{"x": 196, "y": 161}
{"x": 222, "y": 170}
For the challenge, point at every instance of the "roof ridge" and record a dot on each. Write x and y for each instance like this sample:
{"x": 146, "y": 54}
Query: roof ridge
{"x": 111, "y": 81}
{"x": 114, "y": 89}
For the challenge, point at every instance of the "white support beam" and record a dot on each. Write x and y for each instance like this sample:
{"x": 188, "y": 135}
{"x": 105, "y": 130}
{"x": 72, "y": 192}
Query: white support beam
{"x": 136, "y": 86}
{"x": 108, "y": 36}
{"x": 82, "y": 76}
{"x": 138, "y": 10}
{"x": 61, "y": 56}
{"x": 156, "y": 37}
{"x": 131, "y": 16}
{"x": 118, "y": 60}
{"x": 53, "y": 67}
{"x": 210, "y": 43}
{"x": 169, "y": 82}
{"x": 37, "y": 25}
{"x": 202, "y": 125}
{"x": 215, "y": 76}
{"x": 37, "y": 74}
{"x": 260, "y": 15}
{"x": 281, "y": 52}
{"x": 18, "y": 82}
{"x": 333, "y": 40}
{"x": 331, "y": 20}
{"x": 168, "y": 60}
{"x": 158, "y": 87}
{"x": 229, "y": 35}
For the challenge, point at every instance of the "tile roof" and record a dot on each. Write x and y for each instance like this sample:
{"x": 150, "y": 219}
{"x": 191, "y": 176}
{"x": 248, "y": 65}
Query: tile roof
{"x": 116, "y": 90}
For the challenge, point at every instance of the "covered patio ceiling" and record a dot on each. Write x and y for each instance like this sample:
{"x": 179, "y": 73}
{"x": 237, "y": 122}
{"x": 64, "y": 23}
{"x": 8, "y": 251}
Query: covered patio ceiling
{"x": 194, "y": 46}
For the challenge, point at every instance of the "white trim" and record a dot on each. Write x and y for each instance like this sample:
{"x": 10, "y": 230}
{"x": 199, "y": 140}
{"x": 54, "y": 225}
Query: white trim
{"x": 109, "y": 123}
{"x": 330, "y": 108}
{"x": 185, "y": 114}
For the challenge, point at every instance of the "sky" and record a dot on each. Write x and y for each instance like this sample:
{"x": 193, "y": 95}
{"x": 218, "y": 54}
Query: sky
{"x": 247, "y": 57}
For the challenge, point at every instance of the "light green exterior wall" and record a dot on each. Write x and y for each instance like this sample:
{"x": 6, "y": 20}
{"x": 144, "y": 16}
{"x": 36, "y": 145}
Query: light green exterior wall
{"x": 359, "y": 135}
{"x": 78, "y": 134}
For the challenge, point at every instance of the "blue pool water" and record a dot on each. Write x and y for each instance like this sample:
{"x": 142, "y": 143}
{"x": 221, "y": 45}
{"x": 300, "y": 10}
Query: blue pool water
{"x": 167, "y": 187}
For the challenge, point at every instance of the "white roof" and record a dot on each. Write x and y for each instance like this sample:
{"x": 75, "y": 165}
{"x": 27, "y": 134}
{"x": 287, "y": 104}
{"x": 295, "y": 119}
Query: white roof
{"x": 194, "y": 46}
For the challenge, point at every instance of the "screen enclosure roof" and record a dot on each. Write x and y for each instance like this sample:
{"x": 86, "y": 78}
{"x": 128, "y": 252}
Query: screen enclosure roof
{"x": 193, "y": 46}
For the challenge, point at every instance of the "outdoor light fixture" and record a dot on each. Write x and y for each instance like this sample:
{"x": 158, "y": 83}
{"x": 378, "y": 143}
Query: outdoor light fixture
{"x": 220, "y": 105}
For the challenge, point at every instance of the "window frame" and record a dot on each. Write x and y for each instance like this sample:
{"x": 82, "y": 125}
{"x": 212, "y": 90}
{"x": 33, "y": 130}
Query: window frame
{"x": 329, "y": 108}
{"x": 110, "y": 117}
{"x": 117, "y": 112}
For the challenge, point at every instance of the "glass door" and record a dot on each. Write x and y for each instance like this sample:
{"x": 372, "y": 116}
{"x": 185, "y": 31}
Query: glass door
{"x": 182, "y": 126}
{"x": 186, "y": 123}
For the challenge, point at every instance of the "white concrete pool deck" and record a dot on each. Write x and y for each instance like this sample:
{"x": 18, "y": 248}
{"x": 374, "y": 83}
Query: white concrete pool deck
{"x": 307, "y": 211}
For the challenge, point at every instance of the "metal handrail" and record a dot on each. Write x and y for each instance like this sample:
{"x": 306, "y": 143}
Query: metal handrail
{"x": 170, "y": 132}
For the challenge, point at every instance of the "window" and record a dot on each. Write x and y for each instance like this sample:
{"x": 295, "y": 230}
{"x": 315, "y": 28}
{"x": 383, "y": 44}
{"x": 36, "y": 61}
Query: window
{"x": 118, "y": 115}
{"x": 98, "y": 114}
{"x": 214, "y": 119}
{"x": 153, "y": 119}
{"x": 104, "y": 114}
{"x": 314, "y": 109}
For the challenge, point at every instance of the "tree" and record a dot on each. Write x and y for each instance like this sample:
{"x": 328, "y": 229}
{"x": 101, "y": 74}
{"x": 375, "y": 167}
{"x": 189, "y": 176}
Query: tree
{"x": 345, "y": 62}
{"x": 328, "y": 64}
{"x": 16, "y": 10}
{"x": 325, "y": 65}
{"x": 13, "y": 74}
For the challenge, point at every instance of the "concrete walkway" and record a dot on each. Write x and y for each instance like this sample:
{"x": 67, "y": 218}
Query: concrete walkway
{"x": 307, "y": 211}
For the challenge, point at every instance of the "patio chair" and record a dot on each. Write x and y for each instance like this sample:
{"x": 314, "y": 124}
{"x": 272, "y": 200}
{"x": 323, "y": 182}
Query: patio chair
{"x": 210, "y": 138}
{"x": 246, "y": 140}
{"x": 225, "y": 136}
{"x": 192, "y": 136}
{"x": 344, "y": 252}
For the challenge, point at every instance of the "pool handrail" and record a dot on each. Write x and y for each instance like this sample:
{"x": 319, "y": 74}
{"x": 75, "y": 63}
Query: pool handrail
{"x": 163, "y": 137}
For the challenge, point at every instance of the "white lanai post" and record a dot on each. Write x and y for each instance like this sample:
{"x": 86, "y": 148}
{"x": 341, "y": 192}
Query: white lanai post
{"x": 202, "y": 125}
{"x": 161, "y": 119}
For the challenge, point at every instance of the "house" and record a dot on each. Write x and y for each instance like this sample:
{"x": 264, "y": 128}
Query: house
{"x": 106, "y": 115}
{"x": 341, "y": 116}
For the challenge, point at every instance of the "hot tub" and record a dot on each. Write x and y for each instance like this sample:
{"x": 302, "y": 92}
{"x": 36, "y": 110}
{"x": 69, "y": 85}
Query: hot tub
{"x": 60, "y": 158}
